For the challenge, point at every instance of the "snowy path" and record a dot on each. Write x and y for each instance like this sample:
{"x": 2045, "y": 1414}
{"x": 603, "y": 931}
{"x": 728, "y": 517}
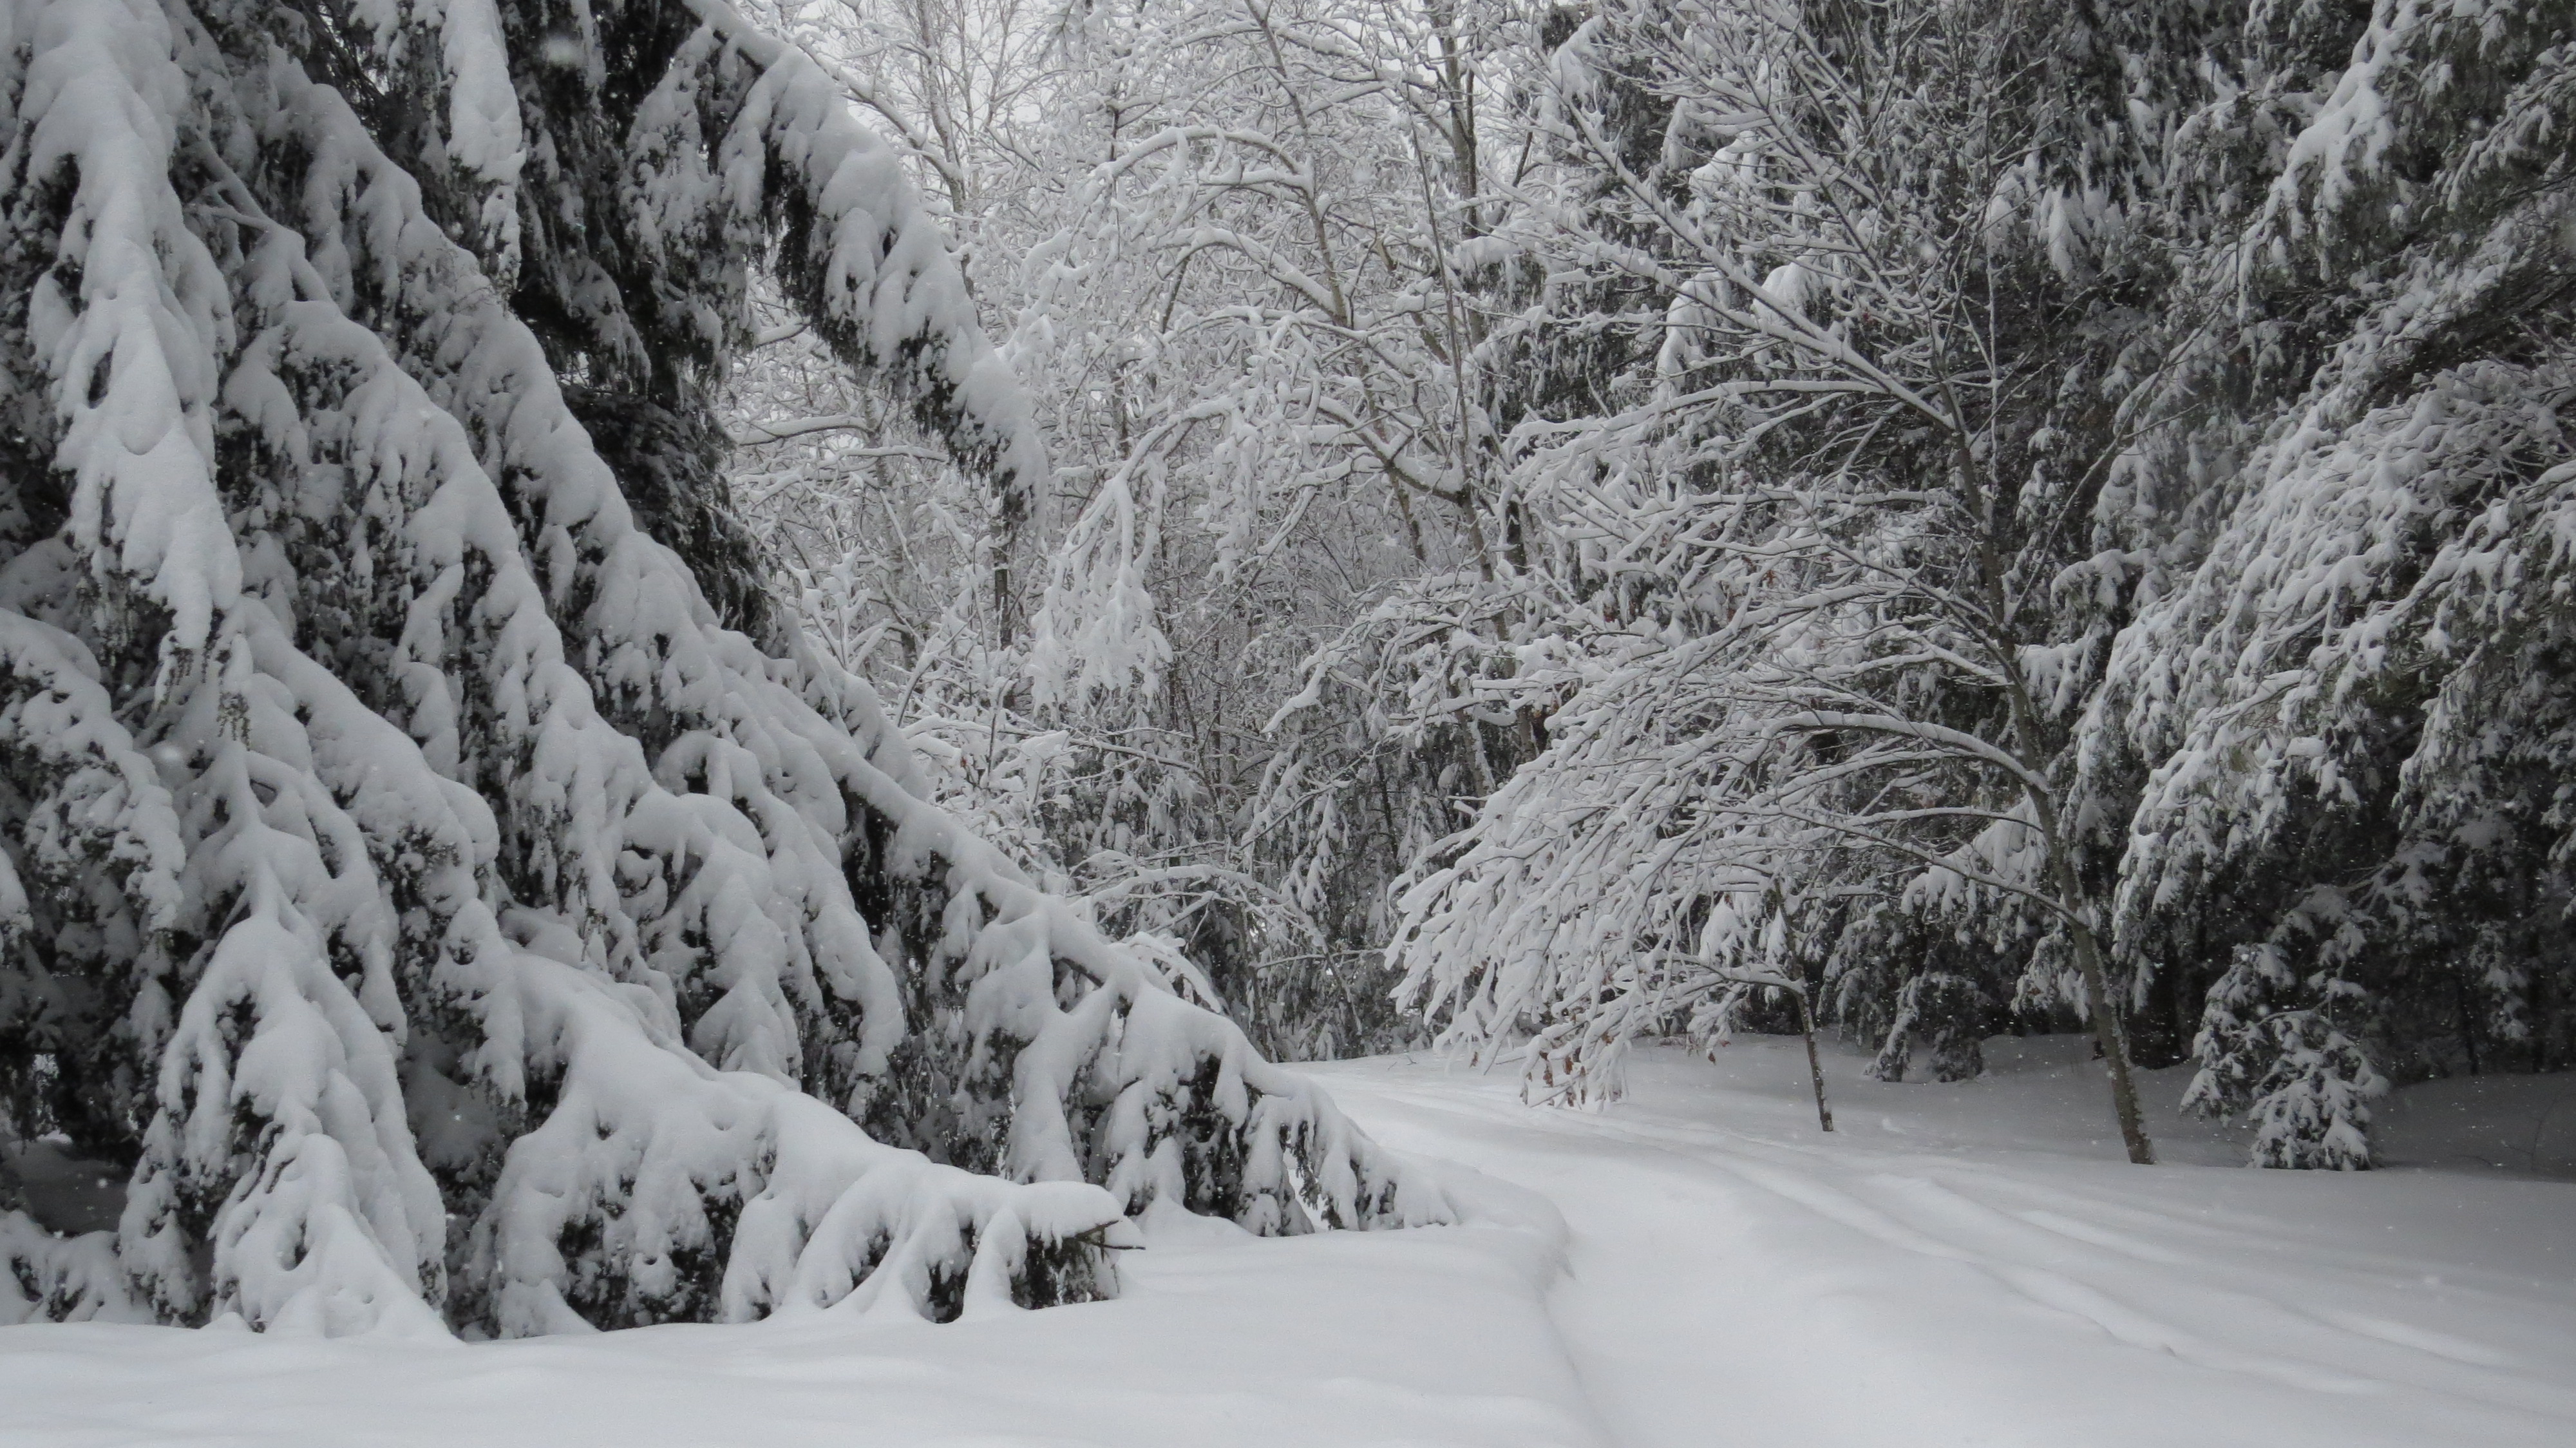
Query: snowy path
{"x": 1970, "y": 1265}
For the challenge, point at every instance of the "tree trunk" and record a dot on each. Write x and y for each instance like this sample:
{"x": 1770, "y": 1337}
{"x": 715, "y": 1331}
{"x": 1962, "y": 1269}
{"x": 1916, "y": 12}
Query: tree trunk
{"x": 2079, "y": 925}
{"x": 2115, "y": 1050}
{"x": 1815, "y": 1066}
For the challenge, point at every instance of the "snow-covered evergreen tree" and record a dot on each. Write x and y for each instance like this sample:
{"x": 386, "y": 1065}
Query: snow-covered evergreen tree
{"x": 2339, "y": 731}
{"x": 432, "y": 857}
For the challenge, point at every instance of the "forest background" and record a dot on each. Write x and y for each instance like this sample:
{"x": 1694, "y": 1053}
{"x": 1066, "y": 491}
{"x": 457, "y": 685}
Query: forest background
{"x": 1574, "y": 523}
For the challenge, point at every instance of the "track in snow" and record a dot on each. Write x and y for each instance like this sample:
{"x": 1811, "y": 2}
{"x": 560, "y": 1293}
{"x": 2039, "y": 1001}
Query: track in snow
{"x": 1974, "y": 1265}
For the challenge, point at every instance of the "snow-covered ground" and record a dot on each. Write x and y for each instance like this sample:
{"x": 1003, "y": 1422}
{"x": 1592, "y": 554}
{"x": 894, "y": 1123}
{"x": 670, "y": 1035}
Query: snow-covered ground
{"x": 1977, "y": 1263}
{"x": 1964, "y": 1264}
{"x": 1221, "y": 1339}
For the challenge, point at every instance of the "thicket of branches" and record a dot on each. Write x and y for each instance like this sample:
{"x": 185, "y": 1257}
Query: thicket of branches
{"x": 1983, "y": 514}
{"x": 1225, "y": 250}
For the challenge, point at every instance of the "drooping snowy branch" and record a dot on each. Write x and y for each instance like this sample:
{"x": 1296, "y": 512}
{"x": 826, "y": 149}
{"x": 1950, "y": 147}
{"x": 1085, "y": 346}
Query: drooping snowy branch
{"x": 465, "y": 927}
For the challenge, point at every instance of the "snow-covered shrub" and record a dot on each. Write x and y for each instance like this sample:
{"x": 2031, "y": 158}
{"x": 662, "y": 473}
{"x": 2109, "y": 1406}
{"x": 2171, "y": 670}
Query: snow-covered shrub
{"x": 1945, "y": 1012}
{"x": 2304, "y": 1084}
{"x": 458, "y": 923}
{"x": 45, "y": 1278}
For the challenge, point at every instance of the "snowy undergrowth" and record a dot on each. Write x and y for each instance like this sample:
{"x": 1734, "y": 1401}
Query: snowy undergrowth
{"x": 1432, "y": 1337}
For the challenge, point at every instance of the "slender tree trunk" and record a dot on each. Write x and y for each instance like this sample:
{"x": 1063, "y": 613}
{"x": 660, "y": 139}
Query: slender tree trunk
{"x": 1815, "y": 1065}
{"x": 2115, "y": 1050}
{"x": 2468, "y": 1020}
{"x": 2097, "y": 986}
{"x": 2070, "y": 895}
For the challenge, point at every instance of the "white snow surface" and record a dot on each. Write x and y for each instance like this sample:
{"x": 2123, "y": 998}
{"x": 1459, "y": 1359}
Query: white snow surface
{"x": 1978, "y": 1263}
{"x": 1963, "y": 1264}
{"x": 1433, "y": 1336}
